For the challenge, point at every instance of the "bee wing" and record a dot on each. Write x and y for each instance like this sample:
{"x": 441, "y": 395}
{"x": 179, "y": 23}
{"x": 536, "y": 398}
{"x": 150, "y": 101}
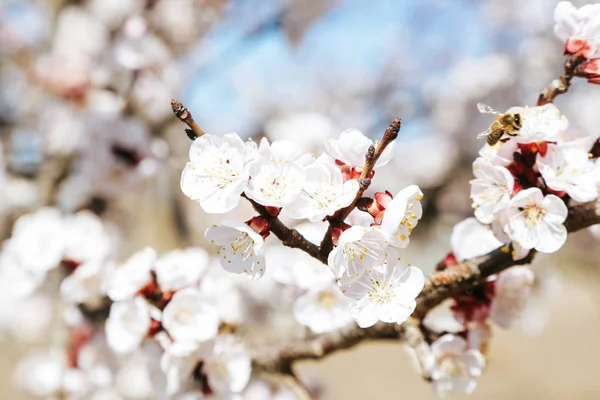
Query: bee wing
{"x": 484, "y": 133}
{"x": 488, "y": 132}
{"x": 485, "y": 109}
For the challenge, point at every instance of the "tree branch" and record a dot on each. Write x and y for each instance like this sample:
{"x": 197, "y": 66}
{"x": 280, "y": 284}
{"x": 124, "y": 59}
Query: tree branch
{"x": 289, "y": 237}
{"x": 373, "y": 154}
{"x": 562, "y": 84}
{"x": 440, "y": 286}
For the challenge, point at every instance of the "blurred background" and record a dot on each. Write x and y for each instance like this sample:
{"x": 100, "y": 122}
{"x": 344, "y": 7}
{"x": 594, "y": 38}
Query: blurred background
{"x": 85, "y": 123}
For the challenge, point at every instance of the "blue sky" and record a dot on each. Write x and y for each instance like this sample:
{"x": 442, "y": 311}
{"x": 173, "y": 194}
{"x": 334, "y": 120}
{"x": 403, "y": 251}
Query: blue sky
{"x": 353, "y": 39}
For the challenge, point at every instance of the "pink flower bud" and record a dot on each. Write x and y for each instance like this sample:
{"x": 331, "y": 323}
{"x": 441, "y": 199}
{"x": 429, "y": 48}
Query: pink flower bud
{"x": 591, "y": 69}
{"x": 260, "y": 226}
{"x": 579, "y": 45}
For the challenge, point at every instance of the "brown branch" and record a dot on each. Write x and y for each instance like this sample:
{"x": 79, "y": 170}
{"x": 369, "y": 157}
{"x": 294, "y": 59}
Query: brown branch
{"x": 289, "y": 237}
{"x": 274, "y": 359}
{"x": 373, "y": 154}
{"x": 185, "y": 116}
{"x": 562, "y": 84}
{"x": 440, "y": 286}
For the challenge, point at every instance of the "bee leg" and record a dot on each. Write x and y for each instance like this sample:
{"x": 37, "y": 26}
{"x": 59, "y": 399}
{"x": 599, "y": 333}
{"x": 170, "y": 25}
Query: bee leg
{"x": 504, "y": 140}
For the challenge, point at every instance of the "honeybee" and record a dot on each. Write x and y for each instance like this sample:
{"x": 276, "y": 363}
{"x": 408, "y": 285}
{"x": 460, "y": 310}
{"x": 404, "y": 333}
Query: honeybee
{"x": 505, "y": 124}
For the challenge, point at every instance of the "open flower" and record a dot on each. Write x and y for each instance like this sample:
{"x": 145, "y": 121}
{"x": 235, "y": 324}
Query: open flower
{"x": 126, "y": 279}
{"x": 540, "y": 124}
{"x": 490, "y": 190}
{"x": 127, "y": 324}
{"x": 452, "y": 366}
{"x": 386, "y": 293}
{"x": 217, "y": 173}
{"x": 86, "y": 284}
{"x": 278, "y": 176}
{"x": 358, "y": 249}
{"x": 401, "y": 215}
{"x": 323, "y": 310}
{"x": 536, "y": 222}
{"x": 351, "y": 148}
{"x": 324, "y": 192}
{"x": 189, "y": 317}
{"x": 567, "y": 168}
{"x": 242, "y": 250}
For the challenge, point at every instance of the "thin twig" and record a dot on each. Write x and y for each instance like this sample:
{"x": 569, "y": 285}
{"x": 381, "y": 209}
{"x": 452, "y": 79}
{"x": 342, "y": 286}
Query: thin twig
{"x": 185, "y": 116}
{"x": 288, "y": 236}
{"x": 562, "y": 84}
{"x": 373, "y": 154}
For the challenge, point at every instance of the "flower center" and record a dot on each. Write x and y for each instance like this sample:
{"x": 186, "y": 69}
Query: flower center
{"x": 533, "y": 214}
{"x": 380, "y": 292}
{"x": 243, "y": 243}
{"x": 325, "y": 300}
{"x": 451, "y": 367}
{"x": 185, "y": 316}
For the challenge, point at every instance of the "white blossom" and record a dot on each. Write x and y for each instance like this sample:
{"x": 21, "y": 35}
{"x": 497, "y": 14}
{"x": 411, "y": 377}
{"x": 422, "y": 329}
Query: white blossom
{"x": 352, "y": 146}
{"x": 217, "y": 173}
{"x": 86, "y": 238}
{"x": 536, "y": 222}
{"x": 324, "y": 192}
{"x": 323, "y": 310}
{"x": 42, "y": 373}
{"x": 402, "y": 215}
{"x": 539, "y": 124}
{"x": 177, "y": 362}
{"x": 226, "y": 365}
{"x": 86, "y": 285}
{"x": 358, "y": 250}
{"x": 277, "y": 177}
{"x": 500, "y": 154}
{"x": 568, "y": 168}
{"x": 242, "y": 250}
{"x": 512, "y": 291}
{"x": 452, "y": 366}
{"x": 583, "y": 22}
{"x": 178, "y": 269}
{"x": 38, "y": 240}
{"x": 470, "y": 238}
{"x": 490, "y": 190}
{"x": 298, "y": 268}
{"x": 190, "y": 317}
{"x": 386, "y": 293}
{"x": 126, "y": 279}
{"x": 127, "y": 324}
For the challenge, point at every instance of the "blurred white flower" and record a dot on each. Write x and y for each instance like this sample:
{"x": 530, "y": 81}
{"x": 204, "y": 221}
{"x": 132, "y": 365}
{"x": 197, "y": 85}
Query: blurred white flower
{"x": 79, "y": 35}
{"x": 568, "y": 168}
{"x": 86, "y": 285}
{"x": 190, "y": 317}
{"x": 129, "y": 277}
{"x": 242, "y": 249}
{"x": 277, "y": 175}
{"x": 386, "y": 293}
{"x": 536, "y": 222}
{"x": 351, "y": 147}
{"x": 178, "y": 269}
{"x": 500, "y": 154}
{"x": 402, "y": 214}
{"x": 226, "y": 365}
{"x": 137, "y": 374}
{"x": 127, "y": 324}
{"x": 539, "y": 124}
{"x": 324, "y": 192}
{"x": 323, "y": 310}
{"x": 441, "y": 318}
{"x": 31, "y": 318}
{"x": 217, "y": 173}
{"x": 490, "y": 190}
{"x": 38, "y": 240}
{"x": 512, "y": 290}
{"x": 231, "y": 308}
{"x": 358, "y": 250}
{"x": 42, "y": 373}
{"x": 297, "y": 268}
{"x": 177, "y": 362}
{"x": 581, "y": 22}
{"x": 470, "y": 238}
{"x": 307, "y": 131}
{"x": 86, "y": 240}
{"x": 114, "y": 12}
{"x": 452, "y": 366}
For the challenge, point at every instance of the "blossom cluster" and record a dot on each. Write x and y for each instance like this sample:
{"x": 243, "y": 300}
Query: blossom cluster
{"x": 278, "y": 177}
